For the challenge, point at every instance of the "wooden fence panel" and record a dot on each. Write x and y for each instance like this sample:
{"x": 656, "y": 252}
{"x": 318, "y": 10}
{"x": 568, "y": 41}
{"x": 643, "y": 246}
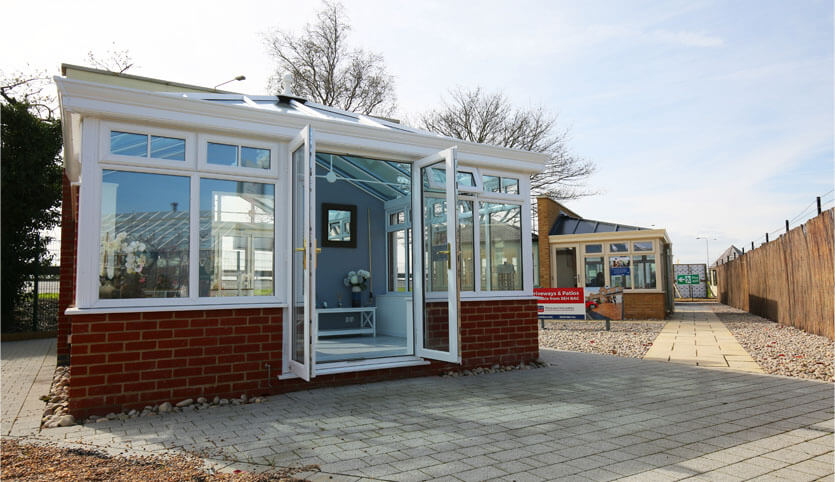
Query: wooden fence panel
{"x": 790, "y": 280}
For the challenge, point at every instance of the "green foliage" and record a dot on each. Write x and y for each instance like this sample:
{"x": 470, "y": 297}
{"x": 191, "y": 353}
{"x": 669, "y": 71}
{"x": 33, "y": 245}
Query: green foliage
{"x": 30, "y": 198}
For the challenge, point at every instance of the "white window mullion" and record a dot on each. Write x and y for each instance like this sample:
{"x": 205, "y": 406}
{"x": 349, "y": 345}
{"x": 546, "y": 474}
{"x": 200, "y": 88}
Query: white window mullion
{"x": 194, "y": 239}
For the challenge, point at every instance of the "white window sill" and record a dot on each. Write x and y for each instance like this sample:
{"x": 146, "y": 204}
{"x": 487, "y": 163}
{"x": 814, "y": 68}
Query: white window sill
{"x": 149, "y": 309}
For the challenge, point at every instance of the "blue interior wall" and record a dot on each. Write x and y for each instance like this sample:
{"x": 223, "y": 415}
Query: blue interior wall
{"x": 335, "y": 263}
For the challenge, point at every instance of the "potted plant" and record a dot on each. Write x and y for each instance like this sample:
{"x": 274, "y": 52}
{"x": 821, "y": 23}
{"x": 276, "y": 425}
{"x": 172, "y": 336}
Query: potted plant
{"x": 357, "y": 281}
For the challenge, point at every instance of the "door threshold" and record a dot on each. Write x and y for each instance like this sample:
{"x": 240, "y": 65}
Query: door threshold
{"x": 363, "y": 365}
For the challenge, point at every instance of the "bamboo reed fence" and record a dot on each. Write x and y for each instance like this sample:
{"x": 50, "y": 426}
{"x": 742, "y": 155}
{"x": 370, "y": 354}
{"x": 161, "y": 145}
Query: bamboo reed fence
{"x": 790, "y": 280}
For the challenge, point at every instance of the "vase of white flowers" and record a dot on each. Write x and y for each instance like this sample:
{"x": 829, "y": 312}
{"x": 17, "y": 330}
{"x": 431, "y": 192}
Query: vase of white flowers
{"x": 357, "y": 281}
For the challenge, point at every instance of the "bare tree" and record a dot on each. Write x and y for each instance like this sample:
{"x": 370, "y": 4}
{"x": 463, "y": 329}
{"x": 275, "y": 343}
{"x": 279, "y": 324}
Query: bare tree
{"x": 324, "y": 69}
{"x": 34, "y": 89}
{"x": 114, "y": 60}
{"x": 490, "y": 118}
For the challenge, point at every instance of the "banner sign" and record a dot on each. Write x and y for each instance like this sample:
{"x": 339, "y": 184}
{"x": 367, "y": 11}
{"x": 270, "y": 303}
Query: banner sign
{"x": 561, "y": 303}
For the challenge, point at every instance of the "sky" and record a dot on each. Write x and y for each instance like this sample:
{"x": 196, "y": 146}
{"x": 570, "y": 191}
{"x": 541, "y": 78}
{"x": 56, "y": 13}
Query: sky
{"x": 710, "y": 119}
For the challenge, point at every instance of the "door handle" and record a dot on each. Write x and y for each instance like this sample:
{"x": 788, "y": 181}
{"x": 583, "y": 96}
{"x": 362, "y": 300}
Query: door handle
{"x": 316, "y": 255}
{"x": 448, "y": 257}
{"x": 303, "y": 250}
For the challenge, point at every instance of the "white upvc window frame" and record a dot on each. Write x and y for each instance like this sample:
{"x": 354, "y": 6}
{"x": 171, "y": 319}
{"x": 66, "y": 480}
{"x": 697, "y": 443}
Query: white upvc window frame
{"x": 203, "y": 165}
{"x": 630, "y": 253}
{"x": 478, "y": 196}
{"x": 96, "y": 158}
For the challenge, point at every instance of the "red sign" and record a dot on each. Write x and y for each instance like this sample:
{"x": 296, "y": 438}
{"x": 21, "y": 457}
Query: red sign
{"x": 559, "y": 295}
{"x": 561, "y": 303}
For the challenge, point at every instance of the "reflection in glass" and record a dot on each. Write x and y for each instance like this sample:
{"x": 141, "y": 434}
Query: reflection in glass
{"x": 144, "y": 235}
{"x": 618, "y": 247}
{"x": 297, "y": 339}
{"x": 594, "y": 248}
{"x": 466, "y": 245}
{"x": 642, "y": 246}
{"x": 435, "y": 243}
{"x": 491, "y": 183}
{"x": 339, "y": 225}
{"x": 465, "y": 179}
{"x": 501, "y": 246}
{"x": 222, "y": 154}
{"x": 168, "y": 148}
{"x": 595, "y": 277}
{"x": 236, "y": 238}
{"x": 128, "y": 144}
{"x": 644, "y": 271}
{"x": 255, "y": 157}
{"x": 510, "y": 185}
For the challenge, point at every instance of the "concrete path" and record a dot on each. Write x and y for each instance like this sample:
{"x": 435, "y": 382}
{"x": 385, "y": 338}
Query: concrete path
{"x": 695, "y": 336}
{"x": 586, "y": 417}
{"x": 26, "y": 369}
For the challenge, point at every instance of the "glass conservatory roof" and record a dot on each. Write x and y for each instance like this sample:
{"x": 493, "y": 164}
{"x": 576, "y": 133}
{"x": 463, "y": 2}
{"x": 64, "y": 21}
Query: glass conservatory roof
{"x": 296, "y": 106}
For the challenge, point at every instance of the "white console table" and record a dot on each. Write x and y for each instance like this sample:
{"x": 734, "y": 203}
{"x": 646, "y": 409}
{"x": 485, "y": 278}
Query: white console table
{"x": 367, "y": 322}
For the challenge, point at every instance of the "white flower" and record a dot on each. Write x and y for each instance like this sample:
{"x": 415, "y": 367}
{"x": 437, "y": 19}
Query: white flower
{"x": 355, "y": 280}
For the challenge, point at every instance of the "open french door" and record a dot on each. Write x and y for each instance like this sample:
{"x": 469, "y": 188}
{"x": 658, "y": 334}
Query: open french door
{"x": 436, "y": 283}
{"x": 303, "y": 307}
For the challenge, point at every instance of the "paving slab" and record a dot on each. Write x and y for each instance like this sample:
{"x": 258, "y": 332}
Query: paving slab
{"x": 26, "y": 370}
{"x": 696, "y": 336}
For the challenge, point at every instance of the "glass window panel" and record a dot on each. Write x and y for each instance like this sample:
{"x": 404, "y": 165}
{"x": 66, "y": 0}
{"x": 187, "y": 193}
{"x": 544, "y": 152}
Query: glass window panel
{"x": 435, "y": 243}
{"x": 594, "y": 248}
{"x": 619, "y": 272}
{"x": 618, "y": 247}
{"x": 644, "y": 267}
{"x": 222, "y": 154}
{"x": 128, "y": 144}
{"x": 510, "y": 185}
{"x": 642, "y": 246}
{"x": 339, "y": 225}
{"x": 595, "y": 277}
{"x": 398, "y": 256}
{"x": 168, "y": 148}
{"x": 144, "y": 235}
{"x": 237, "y": 222}
{"x": 255, "y": 157}
{"x": 465, "y": 179}
{"x": 466, "y": 245}
{"x": 501, "y": 246}
{"x": 491, "y": 183}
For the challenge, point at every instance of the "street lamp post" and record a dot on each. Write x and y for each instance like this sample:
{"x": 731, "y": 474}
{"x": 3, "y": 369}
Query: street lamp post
{"x": 707, "y": 259}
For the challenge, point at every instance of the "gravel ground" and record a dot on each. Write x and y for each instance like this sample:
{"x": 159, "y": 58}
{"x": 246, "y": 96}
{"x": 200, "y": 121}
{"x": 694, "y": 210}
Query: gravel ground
{"x": 780, "y": 350}
{"x": 44, "y": 462}
{"x": 629, "y": 339}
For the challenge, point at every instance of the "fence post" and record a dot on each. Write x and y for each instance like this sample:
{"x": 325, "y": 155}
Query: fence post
{"x": 35, "y": 297}
{"x": 766, "y": 237}
{"x": 752, "y": 246}
{"x": 819, "y": 204}
{"x": 787, "y": 226}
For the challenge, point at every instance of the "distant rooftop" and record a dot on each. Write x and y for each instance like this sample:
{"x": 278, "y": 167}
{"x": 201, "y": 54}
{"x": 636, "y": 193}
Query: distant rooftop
{"x": 574, "y": 225}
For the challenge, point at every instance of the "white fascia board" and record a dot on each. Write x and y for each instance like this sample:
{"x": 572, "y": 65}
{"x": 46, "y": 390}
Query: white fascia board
{"x": 130, "y": 104}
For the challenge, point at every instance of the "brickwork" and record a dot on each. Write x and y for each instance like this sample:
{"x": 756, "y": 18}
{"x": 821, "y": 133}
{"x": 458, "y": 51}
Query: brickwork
{"x": 66, "y": 295}
{"x": 643, "y": 306}
{"x": 547, "y": 212}
{"x": 129, "y": 360}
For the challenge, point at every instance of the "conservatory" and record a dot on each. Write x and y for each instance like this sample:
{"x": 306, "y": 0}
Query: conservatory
{"x": 221, "y": 243}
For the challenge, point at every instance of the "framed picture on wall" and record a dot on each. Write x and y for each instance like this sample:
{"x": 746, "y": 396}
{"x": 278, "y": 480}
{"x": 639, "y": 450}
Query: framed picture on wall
{"x": 339, "y": 225}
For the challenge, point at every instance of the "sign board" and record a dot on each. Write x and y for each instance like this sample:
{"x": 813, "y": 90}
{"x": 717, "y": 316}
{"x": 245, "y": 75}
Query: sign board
{"x": 687, "y": 279}
{"x": 561, "y": 303}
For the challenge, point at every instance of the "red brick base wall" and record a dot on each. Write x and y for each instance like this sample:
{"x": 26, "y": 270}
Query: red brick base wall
{"x": 129, "y": 360}
{"x": 66, "y": 292}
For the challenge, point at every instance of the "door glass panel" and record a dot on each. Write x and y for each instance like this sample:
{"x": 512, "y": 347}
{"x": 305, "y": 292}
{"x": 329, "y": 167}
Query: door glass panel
{"x": 436, "y": 259}
{"x": 566, "y": 264}
{"x": 298, "y": 335}
{"x": 466, "y": 238}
